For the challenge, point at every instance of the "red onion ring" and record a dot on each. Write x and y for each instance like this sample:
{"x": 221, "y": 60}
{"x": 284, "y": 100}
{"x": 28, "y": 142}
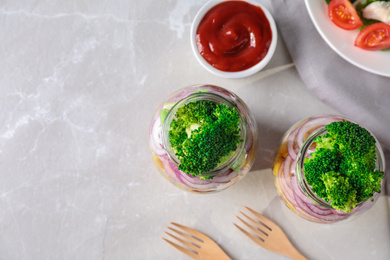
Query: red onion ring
{"x": 155, "y": 137}
{"x": 169, "y": 171}
{"x": 290, "y": 144}
{"x": 285, "y": 178}
{"x": 310, "y": 125}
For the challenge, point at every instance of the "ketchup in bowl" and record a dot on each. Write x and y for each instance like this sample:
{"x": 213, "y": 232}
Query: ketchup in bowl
{"x": 234, "y": 36}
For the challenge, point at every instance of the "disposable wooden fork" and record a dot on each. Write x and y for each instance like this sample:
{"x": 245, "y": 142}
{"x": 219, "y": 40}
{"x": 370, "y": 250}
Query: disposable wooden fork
{"x": 197, "y": 245}
{"x": 268, "y": 235}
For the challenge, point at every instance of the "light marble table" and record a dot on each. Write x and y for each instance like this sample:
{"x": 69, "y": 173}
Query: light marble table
{"x": 80, "y": 81}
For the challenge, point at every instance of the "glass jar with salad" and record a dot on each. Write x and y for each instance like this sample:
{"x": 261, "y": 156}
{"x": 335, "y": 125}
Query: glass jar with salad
{"x": 328, "y": 169}
{"x": 203, "y": 138}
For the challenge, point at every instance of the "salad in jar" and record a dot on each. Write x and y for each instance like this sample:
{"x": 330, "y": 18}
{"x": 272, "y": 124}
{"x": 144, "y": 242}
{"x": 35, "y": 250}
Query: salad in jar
{"x": 328, "y": 169}
{"x": 203, "y": 139}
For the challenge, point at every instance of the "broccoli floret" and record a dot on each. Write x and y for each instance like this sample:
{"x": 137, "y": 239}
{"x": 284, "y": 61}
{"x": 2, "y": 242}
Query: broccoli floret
{"x": 342, "y": 167}
{"x": 321, "y": 162}
{"x": 351, "y": 139}
{"x": 203, "y": 134}
{"x": 339, "y": 191}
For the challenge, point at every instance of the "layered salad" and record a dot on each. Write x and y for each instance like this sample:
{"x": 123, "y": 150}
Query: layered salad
{"x": 328, "y": 169}
{"x": 203, "y": 139}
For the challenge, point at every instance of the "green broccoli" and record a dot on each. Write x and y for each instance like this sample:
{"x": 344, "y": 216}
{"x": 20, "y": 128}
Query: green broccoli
{"x": 339, "y": 191}
{"x": 203, "y": 135}
{"x": 342, "y": 169}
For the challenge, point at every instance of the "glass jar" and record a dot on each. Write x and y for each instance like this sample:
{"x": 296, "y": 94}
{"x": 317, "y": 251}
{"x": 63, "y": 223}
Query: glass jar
{"x": 223, "y": 176}
{"x": 290, "y": 182}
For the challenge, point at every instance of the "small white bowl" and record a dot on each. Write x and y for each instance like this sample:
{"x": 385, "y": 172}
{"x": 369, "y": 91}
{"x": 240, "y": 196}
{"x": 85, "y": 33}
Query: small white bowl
{"x": 236, "y": 74}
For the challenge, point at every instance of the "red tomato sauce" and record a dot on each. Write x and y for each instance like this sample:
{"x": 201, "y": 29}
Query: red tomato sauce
{"x": 234, "y": 36}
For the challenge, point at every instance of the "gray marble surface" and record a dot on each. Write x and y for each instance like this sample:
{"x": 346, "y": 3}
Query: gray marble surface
{"x": 80, "y": 81}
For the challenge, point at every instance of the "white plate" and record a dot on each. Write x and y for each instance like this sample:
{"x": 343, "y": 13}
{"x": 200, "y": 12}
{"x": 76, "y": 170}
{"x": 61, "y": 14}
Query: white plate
{"x": 342, "y": 41}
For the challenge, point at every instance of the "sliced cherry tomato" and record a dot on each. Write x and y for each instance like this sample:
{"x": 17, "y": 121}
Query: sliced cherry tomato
{"x": 374, "y": 37}
{"x": 344, "y": 15}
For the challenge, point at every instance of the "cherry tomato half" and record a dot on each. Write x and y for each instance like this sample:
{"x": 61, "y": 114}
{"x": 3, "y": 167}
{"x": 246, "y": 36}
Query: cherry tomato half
{"x": 374, "y": 37}
{"x": 344, "y": 15}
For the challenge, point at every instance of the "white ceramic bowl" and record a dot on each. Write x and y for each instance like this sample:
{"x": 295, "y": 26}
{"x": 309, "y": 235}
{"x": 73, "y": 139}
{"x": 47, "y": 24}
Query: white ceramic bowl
{"x": 236, "y": 74}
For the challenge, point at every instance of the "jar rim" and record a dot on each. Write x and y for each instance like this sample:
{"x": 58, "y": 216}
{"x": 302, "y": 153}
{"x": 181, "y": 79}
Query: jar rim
{"x": 306, "y": 188}
{"x": 196, "y": 97}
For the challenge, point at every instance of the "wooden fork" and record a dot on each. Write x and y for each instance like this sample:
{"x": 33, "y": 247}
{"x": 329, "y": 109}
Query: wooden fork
{"x": 268, "y": 235}
{"x": 198, "y": 245}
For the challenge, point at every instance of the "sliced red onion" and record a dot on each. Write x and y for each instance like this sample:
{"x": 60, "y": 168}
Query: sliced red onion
{"x": 299, "y": 193}
{"x": 155, "y": 137}
{"x": 287, "y": 173}
{"x": 319, "y": 211}
{"x": 164, "y": 156}
{"x": 314, "y": 216}
{"x": 311, "y": 124}
{"x": 198, "y": 187}
{"x": 340, "y": 213}
{"x": 184, "y": 177}
{"x": 169, "y": 171}
{"x": 305, "y": 208}
{"x": 196, "y": 182}
{"x": 290, "y": 144}
{"x": 284, "y": 183}
{"x": 225, "y": 177}
{"x": 354, "y": 210}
